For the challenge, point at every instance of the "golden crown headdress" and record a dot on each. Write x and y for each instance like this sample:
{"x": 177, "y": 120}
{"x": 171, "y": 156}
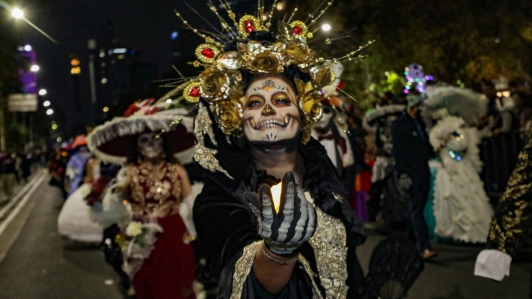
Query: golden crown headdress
{"x": 221, "y": 84}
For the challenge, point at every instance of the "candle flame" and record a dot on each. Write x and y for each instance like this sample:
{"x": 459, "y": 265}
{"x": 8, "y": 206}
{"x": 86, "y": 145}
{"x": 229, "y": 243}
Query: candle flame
{"x": 276, "y": 193}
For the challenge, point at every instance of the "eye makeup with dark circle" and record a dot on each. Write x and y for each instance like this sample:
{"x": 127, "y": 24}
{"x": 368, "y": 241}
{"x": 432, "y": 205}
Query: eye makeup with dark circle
{"x": 254, "y": 101}
{"x": 281, "y": 99}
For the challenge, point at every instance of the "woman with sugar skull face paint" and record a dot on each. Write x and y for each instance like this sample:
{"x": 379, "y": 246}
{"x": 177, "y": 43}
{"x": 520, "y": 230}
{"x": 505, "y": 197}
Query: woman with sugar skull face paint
{"x": 273, "y": 218}
{"x": 155, "y": 188}
{"x": 158, "y": 256}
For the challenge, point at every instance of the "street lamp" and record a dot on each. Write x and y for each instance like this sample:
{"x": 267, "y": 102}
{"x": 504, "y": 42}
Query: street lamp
{"x": 35, "y": 68}
{"x": 42, "y": 92}
{"x": 50, "y": 111}
{"x": 326, "y": 27}
{"x": 46, "y": 104}
{"x": 17, "y": 13}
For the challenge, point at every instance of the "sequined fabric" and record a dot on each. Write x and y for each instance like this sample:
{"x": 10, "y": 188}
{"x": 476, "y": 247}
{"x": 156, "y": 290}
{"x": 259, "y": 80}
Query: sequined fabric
{"x": 242, "y": 268}
{"x": 155, "y": 190}
{"x": 204, "y": 155}
{"x": 329, "y": 244}
{"x": 514, "y": 213}
{"x": 306, "y": 265}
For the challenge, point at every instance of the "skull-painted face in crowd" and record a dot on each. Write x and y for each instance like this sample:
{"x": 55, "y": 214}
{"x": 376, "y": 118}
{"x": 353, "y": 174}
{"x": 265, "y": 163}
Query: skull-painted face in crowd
{"x": 149, "y": 146}
{"x": 271, "y": 113}
{"x": 458, "y": 140}
{"x": 326, "y": 118}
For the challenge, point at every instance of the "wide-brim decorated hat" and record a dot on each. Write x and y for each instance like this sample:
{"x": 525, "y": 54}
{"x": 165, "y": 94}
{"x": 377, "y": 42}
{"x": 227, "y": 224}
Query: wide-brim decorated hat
{"x": 371, "y": 118}
{"x": 453, "y": 101}
{"x": 116, "y": 140}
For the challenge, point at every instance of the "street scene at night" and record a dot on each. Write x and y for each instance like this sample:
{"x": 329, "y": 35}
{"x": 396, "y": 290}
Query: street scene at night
{"x": 261, "y": 149}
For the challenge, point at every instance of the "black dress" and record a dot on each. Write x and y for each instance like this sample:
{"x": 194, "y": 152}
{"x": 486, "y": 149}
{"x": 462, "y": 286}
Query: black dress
{"x": 513, "y": 215}
{"x": 227, "y": 229}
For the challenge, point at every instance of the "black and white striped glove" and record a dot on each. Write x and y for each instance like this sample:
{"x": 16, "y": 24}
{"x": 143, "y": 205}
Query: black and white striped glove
{"x": 295, "y": 223}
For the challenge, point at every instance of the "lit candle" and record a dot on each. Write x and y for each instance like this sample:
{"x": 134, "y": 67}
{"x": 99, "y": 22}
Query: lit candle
{"x": 276, "y": 194}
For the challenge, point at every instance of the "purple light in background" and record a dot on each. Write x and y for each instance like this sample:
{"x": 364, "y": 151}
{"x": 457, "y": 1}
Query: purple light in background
{"x": 405, "y": 91}
{"x": 29, "y": 78}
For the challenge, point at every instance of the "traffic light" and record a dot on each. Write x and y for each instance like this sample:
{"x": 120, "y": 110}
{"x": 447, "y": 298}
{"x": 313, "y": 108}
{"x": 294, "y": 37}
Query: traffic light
{"x": 75, "y": 63}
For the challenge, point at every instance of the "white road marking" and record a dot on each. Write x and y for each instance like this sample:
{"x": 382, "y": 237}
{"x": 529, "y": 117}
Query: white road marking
{"x": 22, "y": 203}
{"x": 15, "y": 199}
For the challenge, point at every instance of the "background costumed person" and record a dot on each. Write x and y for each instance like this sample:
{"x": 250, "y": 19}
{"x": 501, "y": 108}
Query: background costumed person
{"x": 512, "y": 222}
{"x": 76, "y": 165}
{"x": 387, "y": 201}
{"x": 338, "y": 145}
{"x": 154, "y": 185}
{"x": 459, "y": 207}
{"x": 411, "y": 152}
{"x": 74, "y": 220}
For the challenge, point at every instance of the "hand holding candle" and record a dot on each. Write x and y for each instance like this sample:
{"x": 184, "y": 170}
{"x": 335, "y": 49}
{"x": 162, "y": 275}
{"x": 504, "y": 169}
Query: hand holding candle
{"x": 286, "y": 219}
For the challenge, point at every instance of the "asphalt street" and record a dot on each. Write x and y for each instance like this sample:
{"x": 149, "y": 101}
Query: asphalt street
{"x": 41, "y": 264}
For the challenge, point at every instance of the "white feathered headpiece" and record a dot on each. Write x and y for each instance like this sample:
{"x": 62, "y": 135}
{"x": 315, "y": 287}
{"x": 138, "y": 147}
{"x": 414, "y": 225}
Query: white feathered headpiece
{"x": 337, "y": 69}
{"x": 453, "y": 101}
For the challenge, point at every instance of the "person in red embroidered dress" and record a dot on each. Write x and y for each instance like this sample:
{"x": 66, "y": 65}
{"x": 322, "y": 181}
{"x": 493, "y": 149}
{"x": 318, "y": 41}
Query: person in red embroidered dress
{"x": 155, "y": 187}
{"x": 148, "y": 197}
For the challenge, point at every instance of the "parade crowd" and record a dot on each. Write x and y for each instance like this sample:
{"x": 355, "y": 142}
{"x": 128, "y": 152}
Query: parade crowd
{"x": 408, "y": 161}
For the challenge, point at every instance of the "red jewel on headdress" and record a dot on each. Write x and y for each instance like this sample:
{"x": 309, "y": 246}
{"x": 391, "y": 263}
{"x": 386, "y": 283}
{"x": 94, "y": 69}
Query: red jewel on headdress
{"x": 250, "y": 27}
{"x": 298, "y": 30}
{"x": 208, "y": 53}
{"x": 195, "y": 92}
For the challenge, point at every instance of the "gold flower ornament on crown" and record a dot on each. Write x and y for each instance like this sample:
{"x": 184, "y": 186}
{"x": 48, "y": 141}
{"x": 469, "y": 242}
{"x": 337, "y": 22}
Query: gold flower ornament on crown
{"x": 221, "y": 83}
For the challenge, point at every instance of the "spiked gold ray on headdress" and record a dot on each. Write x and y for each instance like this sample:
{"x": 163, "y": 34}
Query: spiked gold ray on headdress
{"x": 221, "y": 83}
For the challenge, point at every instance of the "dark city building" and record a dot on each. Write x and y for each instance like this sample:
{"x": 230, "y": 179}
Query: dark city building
{"x": 117, "y": 72}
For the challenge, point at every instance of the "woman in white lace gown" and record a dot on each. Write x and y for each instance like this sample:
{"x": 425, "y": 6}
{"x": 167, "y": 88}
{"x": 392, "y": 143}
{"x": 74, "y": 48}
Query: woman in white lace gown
{"x": 461, "y": 207}
{"x": 74, "y": 221}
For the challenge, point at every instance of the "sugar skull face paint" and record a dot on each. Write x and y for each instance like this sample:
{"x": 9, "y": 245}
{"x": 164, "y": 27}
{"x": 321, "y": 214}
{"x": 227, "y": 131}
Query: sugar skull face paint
{"x": 270, "y": 111}
{"x": 149, "y": 146}
{"x": 326, "y": 118}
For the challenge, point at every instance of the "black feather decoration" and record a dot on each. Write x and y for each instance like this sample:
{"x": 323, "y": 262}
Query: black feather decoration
{"x": 394, "y": 266}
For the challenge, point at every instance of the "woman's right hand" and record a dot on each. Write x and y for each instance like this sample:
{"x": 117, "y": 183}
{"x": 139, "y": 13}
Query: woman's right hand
{"x": 295, "y": 223}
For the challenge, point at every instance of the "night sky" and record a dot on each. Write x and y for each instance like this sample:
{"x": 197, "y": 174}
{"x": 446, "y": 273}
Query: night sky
{"x": 145, "y": 24}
